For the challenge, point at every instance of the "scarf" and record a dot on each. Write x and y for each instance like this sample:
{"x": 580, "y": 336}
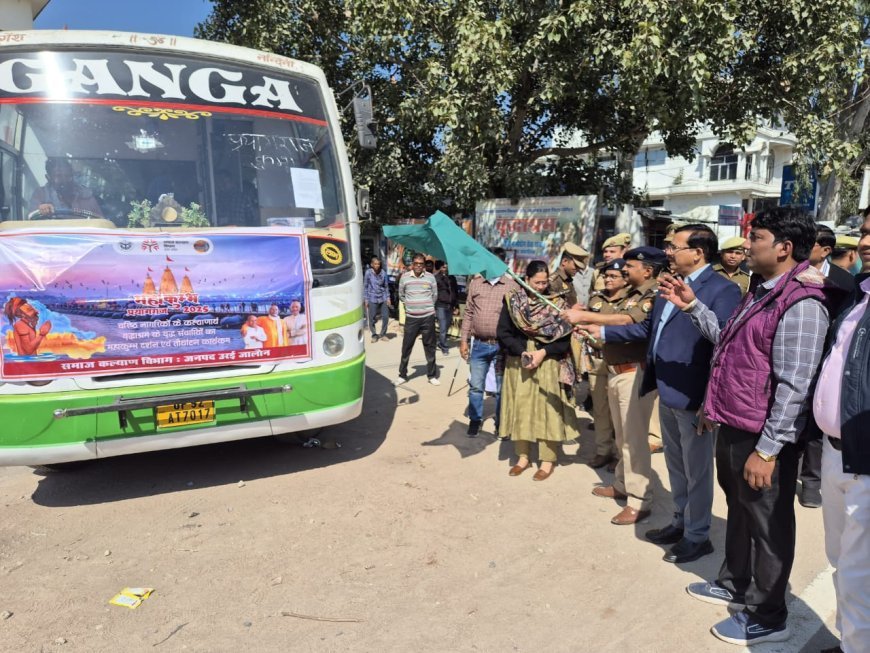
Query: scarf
{"x": 540, "y": 322}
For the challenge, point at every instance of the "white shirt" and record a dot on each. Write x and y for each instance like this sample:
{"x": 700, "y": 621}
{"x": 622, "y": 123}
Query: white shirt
{"x": 254, "y": 337}
{"x": 298, "y": 327}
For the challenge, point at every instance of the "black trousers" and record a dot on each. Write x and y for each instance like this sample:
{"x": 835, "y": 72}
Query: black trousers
{"x": 425, "y": 328}
{"x": 811, "y": 467}
{"x": 760, "y": 533}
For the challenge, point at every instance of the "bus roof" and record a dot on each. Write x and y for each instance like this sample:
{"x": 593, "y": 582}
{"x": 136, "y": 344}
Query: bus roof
{"x": 33, "y": 39}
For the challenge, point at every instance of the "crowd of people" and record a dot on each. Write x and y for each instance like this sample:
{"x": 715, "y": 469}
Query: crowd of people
{"x": 750, "y": 355}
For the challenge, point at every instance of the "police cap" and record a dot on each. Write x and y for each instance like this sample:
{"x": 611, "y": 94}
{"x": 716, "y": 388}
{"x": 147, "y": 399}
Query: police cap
{"x": 575, "y": 251}
{"x": 645, "y": 254}
{"x": 846, "y": 242}
{"x": 615, "y": 264}
{"x": 619, "y": 240}
{"x": 735, "y": 242}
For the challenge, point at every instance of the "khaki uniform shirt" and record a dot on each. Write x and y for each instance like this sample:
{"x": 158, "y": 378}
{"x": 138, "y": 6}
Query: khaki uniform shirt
{"x": 599, "y": 302}
{"x": 598, "y": 278}
{"x": 740, "y": 277}
{"x": 637, "y": 305}
{"x": 560, "y": 284}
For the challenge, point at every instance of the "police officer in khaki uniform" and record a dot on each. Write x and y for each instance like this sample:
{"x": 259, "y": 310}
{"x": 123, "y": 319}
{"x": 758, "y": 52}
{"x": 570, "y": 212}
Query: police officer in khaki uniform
{"x": 606, "y": 302}
{"x": 732, "y": 253}
{"x": 625, "y": 364}
{"x": 613, "y": 248}
{"x": 561, "y": 280}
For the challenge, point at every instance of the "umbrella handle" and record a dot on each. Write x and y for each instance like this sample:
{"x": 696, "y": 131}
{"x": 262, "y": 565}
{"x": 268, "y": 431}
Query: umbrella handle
{"x": 520, "y": 281}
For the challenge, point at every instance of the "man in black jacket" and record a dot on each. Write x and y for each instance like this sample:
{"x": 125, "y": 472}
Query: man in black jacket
{"x": 447, "y": 303}
{"x": 841, "y": 408}
{"x": 811, "y": 466}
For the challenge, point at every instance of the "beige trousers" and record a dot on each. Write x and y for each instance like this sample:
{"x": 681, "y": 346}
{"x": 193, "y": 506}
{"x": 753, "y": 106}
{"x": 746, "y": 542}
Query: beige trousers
{"x": 605, "y": 441}
{"x": 548, "y": 450}
{"x": 631, "y": 414}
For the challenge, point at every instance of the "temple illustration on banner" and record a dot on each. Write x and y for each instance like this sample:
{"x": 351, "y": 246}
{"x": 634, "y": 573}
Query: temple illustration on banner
{"x": 168, "y": 285}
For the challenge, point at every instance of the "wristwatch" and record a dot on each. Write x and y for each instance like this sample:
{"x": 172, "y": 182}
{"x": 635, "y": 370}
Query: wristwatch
{"x": 765, "y": 457}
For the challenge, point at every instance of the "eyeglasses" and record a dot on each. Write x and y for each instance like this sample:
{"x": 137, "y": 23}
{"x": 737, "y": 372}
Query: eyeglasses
{"x": 669, "y": 247}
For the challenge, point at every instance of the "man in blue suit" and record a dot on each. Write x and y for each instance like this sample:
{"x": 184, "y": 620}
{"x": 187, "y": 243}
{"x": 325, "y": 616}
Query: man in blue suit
{"x": 678, "y": 365}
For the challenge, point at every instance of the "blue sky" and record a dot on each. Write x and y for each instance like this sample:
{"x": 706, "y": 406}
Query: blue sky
{"x": 151, "y": 16}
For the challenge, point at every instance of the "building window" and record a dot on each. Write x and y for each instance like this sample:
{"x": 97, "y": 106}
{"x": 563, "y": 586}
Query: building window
{"x": 648, "y": 158}
{"x": 723, "y": 165}
{"x": 748, "y": 167}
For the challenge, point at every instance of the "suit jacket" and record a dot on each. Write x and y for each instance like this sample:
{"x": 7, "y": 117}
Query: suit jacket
{"x": 681, "y": 367}
{"x": 845, "y": 281}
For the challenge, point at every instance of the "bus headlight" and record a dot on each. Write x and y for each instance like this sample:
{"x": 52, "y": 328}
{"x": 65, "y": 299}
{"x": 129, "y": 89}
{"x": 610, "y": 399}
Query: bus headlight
{"x": 333, "y": 345}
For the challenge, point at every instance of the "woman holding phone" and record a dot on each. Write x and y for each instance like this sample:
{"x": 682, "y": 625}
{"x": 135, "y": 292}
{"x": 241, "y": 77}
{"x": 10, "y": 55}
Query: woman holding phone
{"x": 536, "y": 404}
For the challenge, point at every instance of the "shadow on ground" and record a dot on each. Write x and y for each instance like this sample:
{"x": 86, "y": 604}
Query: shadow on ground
{"x": 162, "y": 472}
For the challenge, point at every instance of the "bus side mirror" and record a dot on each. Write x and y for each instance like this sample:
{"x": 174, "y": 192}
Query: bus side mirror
{"x": 363, "y": 207}
{"x": 363, "y": 113}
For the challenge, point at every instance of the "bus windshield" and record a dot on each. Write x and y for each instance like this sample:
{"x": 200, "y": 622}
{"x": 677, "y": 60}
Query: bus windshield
{"x": 163, "y": 141}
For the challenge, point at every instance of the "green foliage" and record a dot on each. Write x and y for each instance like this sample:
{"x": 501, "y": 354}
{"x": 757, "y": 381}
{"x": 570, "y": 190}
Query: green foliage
{"x": 477, "y": 98}
{"x": 194, "y": 216}
{"x": 140, "y": 214}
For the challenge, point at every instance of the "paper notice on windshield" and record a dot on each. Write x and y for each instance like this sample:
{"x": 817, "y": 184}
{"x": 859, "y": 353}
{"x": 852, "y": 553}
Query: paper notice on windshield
{"x": 307, "y": 193}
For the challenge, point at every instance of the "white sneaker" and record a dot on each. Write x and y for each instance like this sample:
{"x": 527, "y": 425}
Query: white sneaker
{"x": 400, "y": 380}
{"x": 434, "y": 381}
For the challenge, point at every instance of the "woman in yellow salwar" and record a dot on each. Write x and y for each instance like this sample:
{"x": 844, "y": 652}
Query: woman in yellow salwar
{"x": 538, "y": 376}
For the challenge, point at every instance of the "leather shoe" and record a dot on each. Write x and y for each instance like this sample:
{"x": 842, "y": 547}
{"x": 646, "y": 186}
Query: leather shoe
{"x": 810, "y": 497}
{"x": 629, "y": 516}
{"x": 541, "y": 475}
{"x": 600, "y": 460}
{"x": 667, "y": 535}
{"x": 608, "y": 492}
{"x": 686, "y": 551}
{"x": 516, "y": 470}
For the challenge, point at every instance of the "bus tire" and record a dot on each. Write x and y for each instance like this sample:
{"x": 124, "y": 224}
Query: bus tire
{"x": 298, "y": 437}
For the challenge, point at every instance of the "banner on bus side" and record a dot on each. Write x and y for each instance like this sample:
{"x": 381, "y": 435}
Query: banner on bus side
{"x": 92, "y": 302}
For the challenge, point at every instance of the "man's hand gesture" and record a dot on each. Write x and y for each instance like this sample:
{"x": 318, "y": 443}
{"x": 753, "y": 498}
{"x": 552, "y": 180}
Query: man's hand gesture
{"x": 675, "y": 291}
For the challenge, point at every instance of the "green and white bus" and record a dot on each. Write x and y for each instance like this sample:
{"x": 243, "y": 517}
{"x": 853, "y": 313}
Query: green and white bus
{"x": 179, "y": 247}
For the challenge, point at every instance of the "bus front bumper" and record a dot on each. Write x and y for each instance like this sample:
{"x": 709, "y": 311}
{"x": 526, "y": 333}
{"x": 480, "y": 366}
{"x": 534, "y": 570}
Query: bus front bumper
{"x": 45, "y": 428}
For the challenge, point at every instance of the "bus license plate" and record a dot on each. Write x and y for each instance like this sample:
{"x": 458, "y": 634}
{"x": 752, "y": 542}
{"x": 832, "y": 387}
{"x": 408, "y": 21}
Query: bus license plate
{"x": 185, "y": 414}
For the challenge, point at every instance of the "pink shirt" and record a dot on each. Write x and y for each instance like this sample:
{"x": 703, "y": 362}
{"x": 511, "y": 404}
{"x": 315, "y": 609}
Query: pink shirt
{"x": 826, "y": 402}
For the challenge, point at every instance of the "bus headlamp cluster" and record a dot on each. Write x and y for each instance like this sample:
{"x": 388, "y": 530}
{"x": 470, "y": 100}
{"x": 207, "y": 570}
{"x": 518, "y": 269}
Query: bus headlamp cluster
{"x": 333, "y": 345}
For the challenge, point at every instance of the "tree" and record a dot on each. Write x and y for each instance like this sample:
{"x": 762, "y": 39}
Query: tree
{"x": 484, "y": 98}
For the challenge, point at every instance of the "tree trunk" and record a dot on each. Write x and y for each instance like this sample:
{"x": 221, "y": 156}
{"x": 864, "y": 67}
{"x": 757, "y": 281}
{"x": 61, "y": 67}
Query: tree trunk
{"x": 829, "y": 208}
{"x": 627, "y": 221}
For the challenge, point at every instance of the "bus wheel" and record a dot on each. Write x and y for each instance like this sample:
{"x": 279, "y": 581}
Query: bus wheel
{"x": 55, "y": 468}
{"x": 307, "y": 438}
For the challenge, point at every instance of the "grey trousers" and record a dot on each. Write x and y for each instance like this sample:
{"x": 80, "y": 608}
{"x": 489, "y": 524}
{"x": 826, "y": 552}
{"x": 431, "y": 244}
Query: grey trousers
{"x": 689, "y": 458}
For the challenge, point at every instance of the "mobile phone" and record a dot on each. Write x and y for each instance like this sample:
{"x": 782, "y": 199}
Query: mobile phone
{"x": 526, "y": 359}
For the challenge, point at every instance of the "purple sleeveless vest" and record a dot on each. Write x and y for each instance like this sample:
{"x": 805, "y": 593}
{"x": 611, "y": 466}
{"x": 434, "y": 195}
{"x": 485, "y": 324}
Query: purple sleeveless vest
{"x": 740, "y": 391}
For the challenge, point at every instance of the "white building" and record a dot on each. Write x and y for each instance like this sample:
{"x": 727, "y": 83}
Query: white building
{"x": 722, "y": 181}
{"x": 19, "y": 14}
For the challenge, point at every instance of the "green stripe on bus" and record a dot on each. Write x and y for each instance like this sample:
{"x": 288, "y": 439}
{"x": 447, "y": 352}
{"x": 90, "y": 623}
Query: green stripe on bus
{"x": 340, "y": 320}
{"x": 29, "y": 419}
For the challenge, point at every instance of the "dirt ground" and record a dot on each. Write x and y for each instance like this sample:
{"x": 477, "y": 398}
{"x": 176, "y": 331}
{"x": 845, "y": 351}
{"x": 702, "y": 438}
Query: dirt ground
{"x": 409, "y": 537}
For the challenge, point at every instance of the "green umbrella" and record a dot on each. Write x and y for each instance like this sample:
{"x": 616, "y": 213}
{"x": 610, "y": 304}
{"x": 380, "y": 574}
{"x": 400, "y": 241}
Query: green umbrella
{"x": 445, "y": 240}
{"x": 442, "y": 238}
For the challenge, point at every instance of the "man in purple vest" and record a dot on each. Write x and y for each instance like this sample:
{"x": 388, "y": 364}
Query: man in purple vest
{"x": 841, "y": 406}
{"x": 762, "y": 373}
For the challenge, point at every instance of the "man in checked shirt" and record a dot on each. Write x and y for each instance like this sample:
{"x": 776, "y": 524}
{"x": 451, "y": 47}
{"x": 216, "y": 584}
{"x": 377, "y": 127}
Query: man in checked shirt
{"x": 485, "y": 298}
{"x": 763, "y": 369}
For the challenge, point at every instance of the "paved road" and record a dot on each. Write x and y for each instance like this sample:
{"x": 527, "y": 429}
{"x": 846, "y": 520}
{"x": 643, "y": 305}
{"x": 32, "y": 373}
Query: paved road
{"x": 411, "y": 536}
